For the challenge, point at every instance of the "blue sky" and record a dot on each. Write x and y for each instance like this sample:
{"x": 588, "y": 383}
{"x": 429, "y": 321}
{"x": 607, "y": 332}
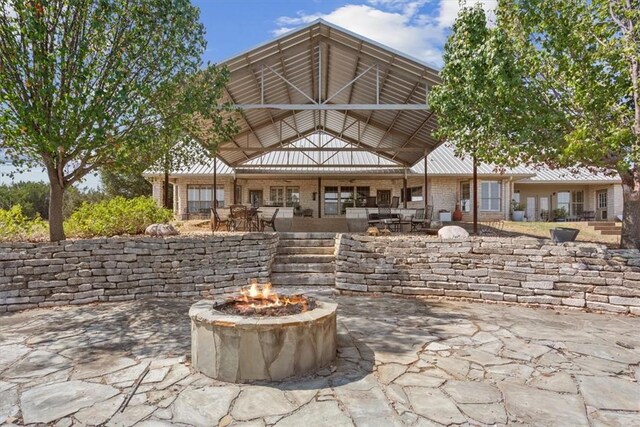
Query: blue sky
{"x": 416, "y": 27}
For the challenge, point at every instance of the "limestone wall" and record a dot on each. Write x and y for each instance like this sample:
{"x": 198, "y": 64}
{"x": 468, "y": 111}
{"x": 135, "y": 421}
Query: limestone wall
{"x": 116, "y": 269}
{"x": 519, "y": 270}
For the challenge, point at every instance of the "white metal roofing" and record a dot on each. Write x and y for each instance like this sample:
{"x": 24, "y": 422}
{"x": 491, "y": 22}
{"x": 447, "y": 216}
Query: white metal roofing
{"x": 318, "y": 61}
{"x": 443, "y": 161}
{"x": 578, "y": 175}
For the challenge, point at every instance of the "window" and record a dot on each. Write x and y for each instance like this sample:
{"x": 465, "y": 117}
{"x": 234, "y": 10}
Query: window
{"x": 414, "y": 194}
{"x": 577, "y": 202}
{"x": 465, "y": 200}
{"x": 330, "y": 200}
{"x": 564, "y": 201}
{"x": 199, "y": 198}
{"x": 238, "y": 194}
{"x": 346, "y": 199}
{"x": 384, "y": 197}
{"x": 293, "y": 196}
{"x": 602, "y": 199}
{"x": 490, "y": 197}
{"x": 361, "y": 196}
{"x": 277, "y": 196}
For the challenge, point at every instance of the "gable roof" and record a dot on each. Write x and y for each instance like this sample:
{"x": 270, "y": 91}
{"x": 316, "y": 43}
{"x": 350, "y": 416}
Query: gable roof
{"x": 324, "y": 78}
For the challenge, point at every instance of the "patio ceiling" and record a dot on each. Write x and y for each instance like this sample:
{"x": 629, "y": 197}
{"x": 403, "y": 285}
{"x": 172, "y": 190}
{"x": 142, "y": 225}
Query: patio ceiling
{"x": 322, "y": 78}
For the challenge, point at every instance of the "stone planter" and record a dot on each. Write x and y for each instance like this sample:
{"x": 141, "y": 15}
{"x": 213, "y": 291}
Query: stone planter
{"x": 563, "y": 234}
{"x": 517, "y": 216}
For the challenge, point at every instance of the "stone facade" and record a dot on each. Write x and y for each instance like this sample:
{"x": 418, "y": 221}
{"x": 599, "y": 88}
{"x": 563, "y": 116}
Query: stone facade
{"x": 117, "y": 269}
{"x": 236, "y": 348}
{"x": 519, "y": 270}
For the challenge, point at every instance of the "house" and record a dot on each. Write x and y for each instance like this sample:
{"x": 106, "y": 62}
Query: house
{"x": 333, "y": 123}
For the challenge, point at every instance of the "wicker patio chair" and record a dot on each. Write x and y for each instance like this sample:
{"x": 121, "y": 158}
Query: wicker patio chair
{"x": 418, "y": 220}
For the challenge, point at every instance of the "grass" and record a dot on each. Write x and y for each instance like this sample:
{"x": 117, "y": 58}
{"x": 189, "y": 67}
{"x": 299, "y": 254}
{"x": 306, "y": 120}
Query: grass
{"x": 541, "y": 229}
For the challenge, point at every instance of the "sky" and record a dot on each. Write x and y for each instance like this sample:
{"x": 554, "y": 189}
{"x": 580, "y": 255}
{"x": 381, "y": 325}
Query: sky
{"x": 418, "y": 28}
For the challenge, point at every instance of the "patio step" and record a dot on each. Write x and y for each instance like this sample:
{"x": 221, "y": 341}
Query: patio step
{"x": 304, "y": 268}
{"x": 306, "y": 242}
{"x": 304, "y": 259}
{"x": 310, "y": 250}
{"x": 303, "y": 279}
{"x": 610, "y": 232}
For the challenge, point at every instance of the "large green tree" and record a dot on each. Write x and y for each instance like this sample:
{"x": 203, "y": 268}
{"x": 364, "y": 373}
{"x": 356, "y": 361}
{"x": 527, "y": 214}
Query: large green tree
{"x": 549, "y": 82}
{"x": 81, "y": 80}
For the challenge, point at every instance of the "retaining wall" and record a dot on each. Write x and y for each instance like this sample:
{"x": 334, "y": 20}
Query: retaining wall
{"x": 522, "y": 270}
{"x": 116, "y": 269}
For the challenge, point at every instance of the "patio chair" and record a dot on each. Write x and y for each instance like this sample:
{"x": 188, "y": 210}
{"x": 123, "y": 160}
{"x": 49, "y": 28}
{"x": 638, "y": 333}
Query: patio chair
{"x": 371, "y": 201}
{"x": 271, "y": 223}
{"x": 418, "y": 220}
{"x": 237, "y": 217}
{"x": 216, "y": 222}
{"x": 373, "y": 219}
{"x": 429, "y": 214}
{"x": 387, "y": 218}
{"x": 395, "y": 202}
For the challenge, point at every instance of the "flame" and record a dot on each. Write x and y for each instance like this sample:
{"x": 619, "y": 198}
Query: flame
{"x": 256, "y": 296}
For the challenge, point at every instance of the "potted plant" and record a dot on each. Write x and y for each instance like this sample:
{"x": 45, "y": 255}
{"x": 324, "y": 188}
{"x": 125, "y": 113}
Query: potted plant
{"x": 559, "y": 215}
{"x": 517, "y": 211}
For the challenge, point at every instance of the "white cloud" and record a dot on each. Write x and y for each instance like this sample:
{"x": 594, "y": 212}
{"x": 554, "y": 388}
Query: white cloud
{"x": 416, "y": 27}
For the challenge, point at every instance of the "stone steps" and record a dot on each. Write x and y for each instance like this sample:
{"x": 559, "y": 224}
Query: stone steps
{"x": 304, "y": 268}
{"x": 303, "y": 279}
{"x": 606, "y": 228}
{"x": 304, "y": 259}
{"x": 310, "y": 250}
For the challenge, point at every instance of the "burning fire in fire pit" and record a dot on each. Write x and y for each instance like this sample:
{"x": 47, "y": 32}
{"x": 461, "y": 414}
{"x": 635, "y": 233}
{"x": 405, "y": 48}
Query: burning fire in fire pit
{"x": 261, "y": 300}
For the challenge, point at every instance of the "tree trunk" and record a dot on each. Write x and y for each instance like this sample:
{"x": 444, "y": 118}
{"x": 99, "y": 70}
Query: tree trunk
{"x": 630, "y": 238}
{"x": 165, "y": 190}
{"x": 56, "y": 218}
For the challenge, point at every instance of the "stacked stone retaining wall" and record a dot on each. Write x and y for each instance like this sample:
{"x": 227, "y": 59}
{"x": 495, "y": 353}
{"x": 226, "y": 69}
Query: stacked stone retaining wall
{"x": 521, "y": 270}
{"x": 116, "y": 269}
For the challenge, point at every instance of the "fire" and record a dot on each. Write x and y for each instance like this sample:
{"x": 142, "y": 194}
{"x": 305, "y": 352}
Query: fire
{"x": 260, "y": 297}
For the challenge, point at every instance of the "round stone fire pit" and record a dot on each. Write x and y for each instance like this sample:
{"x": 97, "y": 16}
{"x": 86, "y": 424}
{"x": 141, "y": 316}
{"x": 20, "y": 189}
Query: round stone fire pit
{"x": 243, "y": 347}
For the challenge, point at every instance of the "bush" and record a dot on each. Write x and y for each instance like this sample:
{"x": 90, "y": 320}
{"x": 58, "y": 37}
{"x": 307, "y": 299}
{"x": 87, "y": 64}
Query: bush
{"x": 15, "y": 225}
{"x": 115, "y": 216}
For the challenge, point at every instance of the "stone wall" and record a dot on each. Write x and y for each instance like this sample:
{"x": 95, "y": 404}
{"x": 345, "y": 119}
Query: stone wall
{"x": 116, "y": 269}
{"x": 521, "y": 270}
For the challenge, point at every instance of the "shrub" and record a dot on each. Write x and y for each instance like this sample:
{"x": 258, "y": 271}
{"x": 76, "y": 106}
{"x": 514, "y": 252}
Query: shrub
{"x": 115, "y": 216}
{"x": 15, "y": 225}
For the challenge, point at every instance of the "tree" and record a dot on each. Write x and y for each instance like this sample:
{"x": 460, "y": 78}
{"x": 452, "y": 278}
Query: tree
{"x": 175, "y": 155}
{"x": 127, "y": 183}
{"x": 554, "y": 83}
{"x": 32, "y": 196}
{"x": 79, "y": 81}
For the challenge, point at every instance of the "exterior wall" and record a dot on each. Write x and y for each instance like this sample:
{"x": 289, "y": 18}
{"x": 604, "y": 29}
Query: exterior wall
{"x": 614, "y": 195}
{"x": 442, "y": 191}
{"x": 118, "y": 269}
{"x": 519, "y": 270}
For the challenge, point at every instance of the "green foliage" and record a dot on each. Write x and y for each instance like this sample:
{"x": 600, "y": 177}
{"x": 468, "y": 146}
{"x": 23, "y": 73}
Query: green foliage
{"x": 554, "y": 83}
{"x": 550, "y": 83}
{"x": 88, "y": 84}
{"x": 115, "y": 217}
{"x": 128, "y": 184}
{"x": 33, "y": 197}
{"x": 15, "y": 225}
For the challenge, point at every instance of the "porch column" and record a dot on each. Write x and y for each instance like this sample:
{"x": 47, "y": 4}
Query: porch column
{"x": 475, "y": 195}
{"x": 404, "y": 189}
{"x": 214, "y": 199}
{"x": 319, "y": 197}
{"x": 426, "y": 191}
{"x": 235, "y": 189}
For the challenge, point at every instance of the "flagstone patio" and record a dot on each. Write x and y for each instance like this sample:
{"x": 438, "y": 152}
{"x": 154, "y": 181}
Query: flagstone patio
{"x": 400, "y": 362}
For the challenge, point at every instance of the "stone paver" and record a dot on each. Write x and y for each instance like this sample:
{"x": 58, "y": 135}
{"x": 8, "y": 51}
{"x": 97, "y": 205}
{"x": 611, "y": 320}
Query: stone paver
{"x": 400, "y": 362}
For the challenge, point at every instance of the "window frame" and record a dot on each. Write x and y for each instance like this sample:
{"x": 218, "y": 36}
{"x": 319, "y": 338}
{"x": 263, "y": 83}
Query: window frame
{"x": 489, "y": 207}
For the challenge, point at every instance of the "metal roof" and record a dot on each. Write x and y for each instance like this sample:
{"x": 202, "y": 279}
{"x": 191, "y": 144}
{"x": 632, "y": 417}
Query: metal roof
{"x": 577, "y": 176}
{"x": 443, "y": 161}
{"x": 324, "y": 78}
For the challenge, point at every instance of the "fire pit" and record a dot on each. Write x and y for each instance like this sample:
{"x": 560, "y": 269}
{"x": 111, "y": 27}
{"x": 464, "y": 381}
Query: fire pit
{"x": 260, "y": 335}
